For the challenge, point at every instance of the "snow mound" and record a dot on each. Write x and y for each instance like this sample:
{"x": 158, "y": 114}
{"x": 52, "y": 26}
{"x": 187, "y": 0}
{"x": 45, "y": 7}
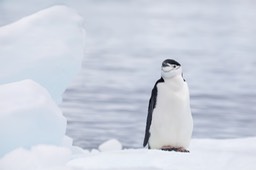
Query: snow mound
{"x": 29, "y": 116}
{"x": 46, "y": 47}
{"x": 110, "y": 145}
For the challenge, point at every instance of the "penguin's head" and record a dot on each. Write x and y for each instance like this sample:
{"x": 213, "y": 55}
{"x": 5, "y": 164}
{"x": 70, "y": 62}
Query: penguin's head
{"x": 170, "y": 69}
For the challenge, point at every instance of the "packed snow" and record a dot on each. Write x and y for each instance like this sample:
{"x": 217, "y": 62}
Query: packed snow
{"x": 37, "y": 65}
{"x": 46, "y": 47}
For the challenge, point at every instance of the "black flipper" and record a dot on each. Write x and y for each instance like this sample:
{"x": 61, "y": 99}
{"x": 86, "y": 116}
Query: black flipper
{"x": 151, "y": 106}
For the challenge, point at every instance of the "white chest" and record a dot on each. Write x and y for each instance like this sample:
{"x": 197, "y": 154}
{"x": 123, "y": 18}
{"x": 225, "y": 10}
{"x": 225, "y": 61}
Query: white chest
{"x": 172, "y": 122}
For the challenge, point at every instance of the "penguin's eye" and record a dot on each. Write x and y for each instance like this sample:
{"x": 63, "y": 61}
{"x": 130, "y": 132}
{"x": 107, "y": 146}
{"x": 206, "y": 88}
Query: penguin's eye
{"x": 174, "y": 66}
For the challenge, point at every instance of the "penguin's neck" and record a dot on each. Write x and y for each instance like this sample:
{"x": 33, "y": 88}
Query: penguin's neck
{"x": 174, "y": 83}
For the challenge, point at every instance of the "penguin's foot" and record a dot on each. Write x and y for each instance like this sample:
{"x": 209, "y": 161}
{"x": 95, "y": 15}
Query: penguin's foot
{"x": 181, "y": 149}
{"x": 170, "y": 148}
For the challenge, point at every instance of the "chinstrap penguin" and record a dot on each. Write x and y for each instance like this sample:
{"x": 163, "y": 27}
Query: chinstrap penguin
{"x": 169, "y": 121}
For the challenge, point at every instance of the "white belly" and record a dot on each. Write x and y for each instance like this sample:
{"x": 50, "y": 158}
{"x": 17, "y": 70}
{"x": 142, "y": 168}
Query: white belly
{"x": 172, "y": 122}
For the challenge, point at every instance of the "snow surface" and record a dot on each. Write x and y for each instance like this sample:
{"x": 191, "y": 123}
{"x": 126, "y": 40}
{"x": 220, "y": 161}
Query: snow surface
{"x": 37, "y": 158}
{"x": 207, "y": 154}
{"x": 210, "y": 154}
{"x": 46, "y": 47}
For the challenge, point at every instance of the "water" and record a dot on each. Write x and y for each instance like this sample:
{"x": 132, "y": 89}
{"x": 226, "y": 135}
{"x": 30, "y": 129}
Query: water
{"x": 215, "y": 42}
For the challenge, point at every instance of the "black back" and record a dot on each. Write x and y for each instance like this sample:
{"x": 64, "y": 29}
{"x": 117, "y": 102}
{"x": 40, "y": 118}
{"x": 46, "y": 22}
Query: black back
{"x": 151, "y": 106}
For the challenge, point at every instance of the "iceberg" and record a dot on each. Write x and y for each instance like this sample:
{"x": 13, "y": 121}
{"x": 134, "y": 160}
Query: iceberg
{"x": 40, "y": 54}
{"x": 29, "y": 116}
{"x": 46, "y": 47}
